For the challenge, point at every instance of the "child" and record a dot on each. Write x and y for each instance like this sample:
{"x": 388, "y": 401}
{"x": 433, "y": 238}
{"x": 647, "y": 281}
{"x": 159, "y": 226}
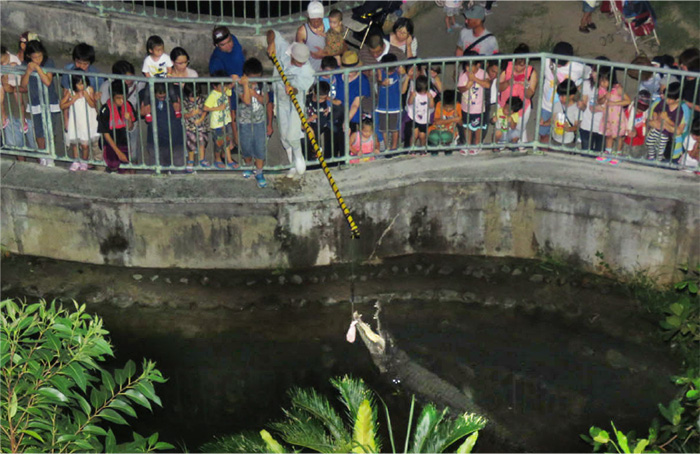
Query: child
{"x": 80, "y": 102}
{"x": 115, "y": 119}
{"x": 318, "y": 114}
{"x": 170, "y": 143}
{"x": 636, "y": 117}
{"x": 451, "y": 9}
{"x": 9, "y": 85}
{"x": 472, "y": 84}
{"x": 420, "y": 107}
{"x": 614, "y": 99}
{"x": 691, "y": 145}
{"x": 220, "y": 120}
{"x": 448, "y": 117}
{"x": 669, "y": 118}
{"x": 388, "y": 110}
{"x": 364, "y": 142}
{"x": 565, "y": 114}
{"x": 435, "y": 82}
{"x": 506, "y": 121}
{"x": 196, "y": 130}
{"x": 591, "y": 112}
{"x": 157, "y": 63}
{"x": 253, "y": 100}
{"x": 335, "y": 39}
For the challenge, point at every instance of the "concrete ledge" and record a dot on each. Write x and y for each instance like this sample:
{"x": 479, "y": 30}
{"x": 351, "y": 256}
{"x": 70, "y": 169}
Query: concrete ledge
{"x": 496, "y": 205}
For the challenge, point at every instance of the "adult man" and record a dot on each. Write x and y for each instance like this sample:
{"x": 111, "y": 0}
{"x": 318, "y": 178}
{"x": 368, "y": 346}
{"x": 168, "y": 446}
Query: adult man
{"x": 294, "y": 59}
{"x": 313, "y": 33}
{"x": 475, "y": 36}
{"x": 227, "y": 56}
{"x": 375, "y": 48}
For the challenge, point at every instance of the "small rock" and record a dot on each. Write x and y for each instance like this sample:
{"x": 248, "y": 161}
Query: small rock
{"x": 419, "y": 267}
{"x": 562, "y": 281}
{"x": 587, "y": 351}
{"x": 296, "y": 279}
{"x": 363, "y": 278}
{"x": 137, "y": 277}
{"x": 469, "y": 297}
{"x": 479, "y": 274}
{"x": 268, "y": 281}
{"x": 323, "y": 279}
{"x": 382, "y": 273}
{"x": 168, "y": 281}
{"x": 468, "y": 270}
{"x": 334, "y": 277}
{"x": 537, "y": 278}
{"x": 509, "y": 303}
{"x": 154, "y": 278}
{"x": 445, "y": 271}
{"x": 395, "y": 269}
{"x": 204, "y": 280}
{"x": 490, "y": 301}
{"x": 184, "y": 280}
{"x": 517, "y": 272}
{"x": 406, "y": 271}
{"x": 313, "y": 280}
{"x": 302, "y": 303}
{"x": 430, "y": 269}
{"x": 250, "y": 283}
{"x": 122, "y": 301}
{"x": 615, "y": 359}
{"x": 328, "y": 301}
{"x": 505, "y": 269}
{"x": 282, "y": 280}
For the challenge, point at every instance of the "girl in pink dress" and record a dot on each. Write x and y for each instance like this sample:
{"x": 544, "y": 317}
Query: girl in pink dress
{"x": 613, "y": 125}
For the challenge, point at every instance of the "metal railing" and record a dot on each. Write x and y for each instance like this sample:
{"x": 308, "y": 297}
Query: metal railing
{"x": 161, "y": 145}
{"x": 250, "y": 14}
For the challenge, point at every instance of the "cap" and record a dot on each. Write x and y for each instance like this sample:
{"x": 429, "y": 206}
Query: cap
{"x": 220, "y": 34}
{"x": 299, "y": 52}
{"x": 475, "y": 12}
{"x": 28, "y": 36}
{"x": 349, "y": 58}
{"x": 315, "y": 10}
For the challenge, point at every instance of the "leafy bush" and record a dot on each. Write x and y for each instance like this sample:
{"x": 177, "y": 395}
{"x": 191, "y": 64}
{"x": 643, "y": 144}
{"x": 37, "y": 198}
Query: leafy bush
{"x": 55, "y": 396}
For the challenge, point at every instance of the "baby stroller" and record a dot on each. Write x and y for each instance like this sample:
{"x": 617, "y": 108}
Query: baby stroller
{"x": 370, "y": 16}
{"x": 638, "y": 19}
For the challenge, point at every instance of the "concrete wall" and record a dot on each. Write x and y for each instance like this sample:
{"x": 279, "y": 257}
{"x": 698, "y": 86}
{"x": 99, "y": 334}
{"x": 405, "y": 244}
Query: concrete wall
{"x": 460, "y": 206}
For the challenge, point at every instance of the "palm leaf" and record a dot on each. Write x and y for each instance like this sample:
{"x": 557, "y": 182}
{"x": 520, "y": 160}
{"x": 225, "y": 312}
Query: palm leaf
{"x": 363, "y": 438}
{"x": 468, "y": 445}
{"x": 242, "y": 442}
{"x": 448, "y": 431}
{"x": 319, "y": 407}
{"x": 300, "y": 429}
{"x": 352, "y": 393}
{"x": 272, "y": 444}
{"x": 427, "y": 421}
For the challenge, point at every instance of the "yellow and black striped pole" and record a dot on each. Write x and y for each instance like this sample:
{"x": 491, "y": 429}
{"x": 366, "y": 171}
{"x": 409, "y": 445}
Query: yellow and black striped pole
{"x": 354, "y": 231}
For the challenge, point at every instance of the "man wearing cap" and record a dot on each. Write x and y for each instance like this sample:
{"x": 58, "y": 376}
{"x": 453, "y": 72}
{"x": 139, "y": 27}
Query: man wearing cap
{"x": 313, "y": 33}
{"x": 475, "y": 36}
{"x": 294, "y": 59}
{"x": 358, "y": 88}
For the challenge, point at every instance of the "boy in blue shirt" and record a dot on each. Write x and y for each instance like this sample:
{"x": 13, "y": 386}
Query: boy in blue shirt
{"x": 388, "y": 110}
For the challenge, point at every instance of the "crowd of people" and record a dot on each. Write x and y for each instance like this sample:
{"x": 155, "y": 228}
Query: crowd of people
{"x": 403, "y": 104}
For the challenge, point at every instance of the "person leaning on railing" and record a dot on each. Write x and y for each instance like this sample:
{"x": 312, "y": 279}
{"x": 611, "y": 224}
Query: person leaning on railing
{"x": 115, "y": 120}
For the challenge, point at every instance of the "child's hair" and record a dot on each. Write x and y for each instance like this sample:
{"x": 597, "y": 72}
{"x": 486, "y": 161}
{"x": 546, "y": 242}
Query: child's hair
{"x": 695, "y": 126}
{"x": 436, "y": 68}
{"x": 188, "y": 90}
{"x": 468, "y": 63}
{"x": 673, "y": 91}
{"x": 690, "y": 58}
{"x": 335, "y": 14}
{"x": 123, "y": 67}
{"x": 490, "y": 63}
{"x": 567, "y": 87}
{"x": 367, "y": 122}
{"x": 375, "y": 41}
{"x": 563, "y": 48}
{"x": 607, "y": 73}
{"x": 421, "y": 84}
{"x": 596, "y": 70}
{"x": 521, "y": 48}
{"x": 35, "y": 47}
{"x": 389, "y": 58}
{"x": 323, "y": 88}
{"x": 3, "y": 49}
{"x": 178, "y": 52}
{"x": 329, "y": 63}
{"x": 218, "y": 73}
{"x": 449, "y": 98}
{"x": 76, "y": 79}
{"x": 515, "y": 103}
{"x": 84, "y": 52}
{"x": 153, "y": 41}
{"x": 252, "y": 66}
{"x": 644, "y": 97}
{"x": 117, "y": 88}
{"x": 159, "y": 88}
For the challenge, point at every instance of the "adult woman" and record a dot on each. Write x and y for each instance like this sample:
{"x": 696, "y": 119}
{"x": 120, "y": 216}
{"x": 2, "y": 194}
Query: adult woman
{"x": 402, "y": 37}
{"x": 181, "y": 61}
{"x": 519, "y": 79}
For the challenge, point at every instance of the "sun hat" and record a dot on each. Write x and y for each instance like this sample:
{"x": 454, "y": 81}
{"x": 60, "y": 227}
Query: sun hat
{"x": 475, "y": 12}
{"x": 299, "y": 52}
{"x": 349, "y": 59}
{"x": 315, "y": 10}
{"x": 220, "y": 33}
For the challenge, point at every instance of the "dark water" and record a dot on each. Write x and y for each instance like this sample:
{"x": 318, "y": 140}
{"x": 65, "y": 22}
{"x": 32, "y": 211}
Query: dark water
{"x": 546, "y": 376}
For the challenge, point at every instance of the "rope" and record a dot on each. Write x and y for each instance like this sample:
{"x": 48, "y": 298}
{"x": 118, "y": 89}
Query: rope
{"x": 354, "y": 231}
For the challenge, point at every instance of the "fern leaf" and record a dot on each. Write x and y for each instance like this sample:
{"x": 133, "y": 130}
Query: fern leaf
{"x": 468, "y": 444}
{"x": 272, "y": 444}
{"x": 363, "y": 434}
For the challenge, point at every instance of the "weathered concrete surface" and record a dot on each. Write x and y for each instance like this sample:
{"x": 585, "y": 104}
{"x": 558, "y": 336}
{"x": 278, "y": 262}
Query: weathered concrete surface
{"x": 493, "y": 205}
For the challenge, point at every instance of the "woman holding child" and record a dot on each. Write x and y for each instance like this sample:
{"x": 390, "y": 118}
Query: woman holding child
{"x": 519, "y": 80}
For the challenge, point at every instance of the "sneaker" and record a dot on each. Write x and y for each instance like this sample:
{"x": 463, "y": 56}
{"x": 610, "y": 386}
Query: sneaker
{"x": 602, "y": 159}
{"x": 148, "y": 118}
{"x": 74, "y": 167}
{"x": 83, "y": 166}
{"x": 292, "y": 172}
{"x": 464, "y": 152}
{"x": 591, "y": 26}
{"x": 260, "y": 178}
{"x": 247, "y": 174}
{"x": 613, "y": 162}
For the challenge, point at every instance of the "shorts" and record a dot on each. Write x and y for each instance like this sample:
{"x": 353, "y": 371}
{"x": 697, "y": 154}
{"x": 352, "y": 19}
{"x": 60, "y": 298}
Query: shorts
{"x": 473, "y": 121}
{"x": 546, "y": 116}
{"x": 251, "y": 138}
{"x": 509, "y": 135}
{"x": 111, "y": 158}
{"x": 440, "y": 137}
{"x": 634, "y": 151}
{"x": 420, "y": 127}
{"x": 223, "y": 135}
{"x": 588, "y": 8}
{"x": 450, "y": 11}
{"x": 388, "y": 121}
{"x": 195, "y": 139}
{"x": 39, "y": 124}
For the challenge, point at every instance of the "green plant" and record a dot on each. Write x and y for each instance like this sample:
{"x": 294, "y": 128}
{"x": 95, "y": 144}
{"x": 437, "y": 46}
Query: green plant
{"x": 313, "y": 424}
{"x": 55, "y": 397}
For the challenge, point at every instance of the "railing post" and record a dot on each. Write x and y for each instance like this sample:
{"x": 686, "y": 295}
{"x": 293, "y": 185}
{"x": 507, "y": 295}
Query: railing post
{"x": 154, "y": 124}
{"x": 538, "y": 115}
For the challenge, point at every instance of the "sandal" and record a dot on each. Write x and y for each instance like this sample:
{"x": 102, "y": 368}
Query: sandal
{"x": 190, "y": 167}
{"x": 602, "y": 159}
{"x": 591, "y": 26}
{"x": 613, "y": 162}
{"x": 219, "y": 165}
{"x": 233, "y": 164}
{"x": 584, "y": 30}
{"x": 204, "y": 163}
